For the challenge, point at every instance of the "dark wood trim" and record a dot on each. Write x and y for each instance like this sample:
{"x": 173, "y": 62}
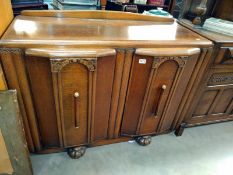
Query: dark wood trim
{"x": 27, "y": 97}
{"x": 93, "y": 101}
{"x": 194, "y": 85}
{"x": 145, "y": 99}
{"x": 58, "y": 112}
{"x": 116, "y": 91}
{"x": 224, "y": 118}
{"x": 122, "y": 95}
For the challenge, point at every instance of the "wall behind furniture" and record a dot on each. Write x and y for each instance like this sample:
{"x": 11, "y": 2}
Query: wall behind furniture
{"x": 6, "y": 15}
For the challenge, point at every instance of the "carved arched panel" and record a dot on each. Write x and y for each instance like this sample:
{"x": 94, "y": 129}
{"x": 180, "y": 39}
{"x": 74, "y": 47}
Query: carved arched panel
{"x": 73, "y": 94}
{"x": 161, "y": 89}
{"x": 181, "y": 60}
{"x": 57, "y": 64}
{"x": 73, "y": 88}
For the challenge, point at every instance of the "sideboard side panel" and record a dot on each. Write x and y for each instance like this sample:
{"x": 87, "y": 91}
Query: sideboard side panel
{"x": 14, "y": 69}
{"x": 195, "y": 83}
{"x": 119, "y": 65}
{"x": 139, "y": 82}
{"x": 104, "y": 85}
{"x": 40, "y": 78}
{"x": 124, "y": 87}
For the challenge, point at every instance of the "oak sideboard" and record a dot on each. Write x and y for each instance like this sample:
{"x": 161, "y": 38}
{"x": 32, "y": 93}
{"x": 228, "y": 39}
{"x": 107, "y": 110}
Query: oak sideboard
{"x": 97, "y": 77}
{"x": 212, "y": 101}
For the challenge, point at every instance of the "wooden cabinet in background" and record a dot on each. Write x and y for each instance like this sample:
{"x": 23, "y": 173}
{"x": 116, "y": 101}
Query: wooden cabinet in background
{"x": 216, "y": 102}
{"x": 212, "y": 100}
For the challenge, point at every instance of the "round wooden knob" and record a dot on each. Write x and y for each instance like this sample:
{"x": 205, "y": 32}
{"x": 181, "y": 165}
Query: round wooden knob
{"x": 76, "y": 94}
{"x": 164, "y": 87}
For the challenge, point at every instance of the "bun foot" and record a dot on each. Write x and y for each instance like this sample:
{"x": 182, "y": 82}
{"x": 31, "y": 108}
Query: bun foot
{"x": 144, "y": 140}
{"x": 179, "y": 131}
{"x": 76, "y": 152}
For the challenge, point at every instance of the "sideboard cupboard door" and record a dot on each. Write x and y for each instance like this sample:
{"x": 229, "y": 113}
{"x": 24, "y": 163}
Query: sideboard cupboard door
{"x": 77, "y": 86}
{"x": 158, "y": 79}
{"x": 74, "y": 82}
{"x": 83, "y": 88}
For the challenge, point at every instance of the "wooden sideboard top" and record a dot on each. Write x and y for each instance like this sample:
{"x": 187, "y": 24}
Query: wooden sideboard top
{"x": 35, "y": 29}
{"x": 213, "y": 36}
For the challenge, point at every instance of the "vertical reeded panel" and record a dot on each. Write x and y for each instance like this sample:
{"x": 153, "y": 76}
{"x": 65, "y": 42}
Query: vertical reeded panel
{"x": 140, "y": 74}
{"x": 164, "y": 76}
{"x": 40, "y": 78}
{"x": 224, "y": 101}
{"x": 73, "y": 78}
{"x": 119, "y": 65}
{"x": 205, "y": 103}
{"x": 104, "y": 83}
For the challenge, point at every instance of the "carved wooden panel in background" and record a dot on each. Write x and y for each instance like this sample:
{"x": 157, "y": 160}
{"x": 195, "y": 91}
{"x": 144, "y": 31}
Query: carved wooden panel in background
{"x": 221, "y": 78}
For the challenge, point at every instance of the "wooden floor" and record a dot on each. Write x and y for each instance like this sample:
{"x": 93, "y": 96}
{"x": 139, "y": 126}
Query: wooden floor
{"x": 205, "y": 150}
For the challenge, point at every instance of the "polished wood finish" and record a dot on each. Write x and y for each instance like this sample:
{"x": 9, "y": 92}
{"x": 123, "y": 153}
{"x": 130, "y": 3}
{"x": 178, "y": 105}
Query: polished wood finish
{"x": 87, "y": 33}
{"x": 213, "y": 36}
{"x": 116, "y": 91}
{"x": 13, "y": 82}
{"x": 214, "y": 101}
{"x": 104, "y": 85}
{"x": 152, "y": 97}
{"x": 74, "y": 132}
{"x": 40, "y": 79}
{"x": 74, "y": 99}
{"x": 69, "y": 52}
{"x": 123, "y": 91}
{"x": 92, "y": 14}
{"x": 138, "y": 82}
{"x": 194, "y": 83}
{"x": 165, "y": 52}
{"x": 86, "y": 82}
